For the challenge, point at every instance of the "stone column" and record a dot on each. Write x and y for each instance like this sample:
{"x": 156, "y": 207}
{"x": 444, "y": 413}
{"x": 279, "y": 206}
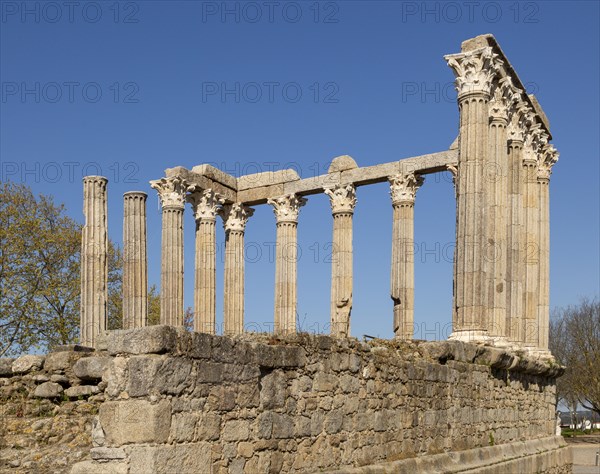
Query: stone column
{"x": 549, "y": 158}
{"x": 531, "y": 239}
{"x": 515, "y": 270}
{"x": 135, "y": 261}
{"x": 403, "y": 189}
{"x": 206, "y": 205}
{"x": 94, "y": 261}
{"x": 286, "y": 209}
{"x": 343, "y": 201}
{"x": 171, "y": 192}
{"x": 497, "y": 193}
{"x": 235, "y": 216}
{"x": 475, "y": 70}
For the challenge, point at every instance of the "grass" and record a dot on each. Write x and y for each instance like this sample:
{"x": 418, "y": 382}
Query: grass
{"x": 569, "y": 433}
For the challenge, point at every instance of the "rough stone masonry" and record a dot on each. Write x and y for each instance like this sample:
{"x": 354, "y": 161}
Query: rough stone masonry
{"x": 181, "y": 402}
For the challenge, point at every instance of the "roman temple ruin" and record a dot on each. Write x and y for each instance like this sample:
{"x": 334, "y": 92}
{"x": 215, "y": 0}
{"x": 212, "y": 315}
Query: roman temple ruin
{"x": 483, "y": 401}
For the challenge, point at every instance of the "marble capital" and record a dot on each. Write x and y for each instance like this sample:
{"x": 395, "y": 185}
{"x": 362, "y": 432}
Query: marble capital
{"x": 342, "y": 198}
{"x": 205, "y": 203}
{"x": 235, "y": 216}
{"x": 171, "y": 191}
{"x": 474, "y": 71}
{"x": 547, "y": 161}
{"x": 286, "y": 208}
{"x": 403, "y": 188}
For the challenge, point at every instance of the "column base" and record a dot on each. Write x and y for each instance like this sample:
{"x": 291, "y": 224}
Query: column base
{"x": 470, "y": 335}
{"x": 539, "y": 353}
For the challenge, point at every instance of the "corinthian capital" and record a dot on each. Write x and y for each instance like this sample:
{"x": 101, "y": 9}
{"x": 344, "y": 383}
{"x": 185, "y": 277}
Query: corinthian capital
{"x": 547, "y": 161}
{"x": 515, "y": 131}
{"x": 287, "y": 208}
{"x": 235, "y": 216}
{"x": 403, "y": 188}
{"x": 342, "y": 198}
{"x": 499, "y": 106}
{"x": 474, "y": 70}
{"x": 171, "y": 191}
{"x": 205, "y": 202}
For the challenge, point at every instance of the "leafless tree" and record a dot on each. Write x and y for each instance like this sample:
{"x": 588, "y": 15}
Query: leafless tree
{"x": 575, "y": 342}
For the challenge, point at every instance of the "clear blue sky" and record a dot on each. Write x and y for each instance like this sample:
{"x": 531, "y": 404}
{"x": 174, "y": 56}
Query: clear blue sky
{"x": 128, "y": 89}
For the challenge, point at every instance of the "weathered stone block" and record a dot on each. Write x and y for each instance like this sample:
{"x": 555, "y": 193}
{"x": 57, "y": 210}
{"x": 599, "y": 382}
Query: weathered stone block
{"x": 141, "y": 374}
{"x": 273, "y": 390}
{"x": 27, "y": 363}
{"x": 148, "y": 340}
{"x": 135, "y": 421}
{"x": 283, "y": 426}
{"x": 210, "y": 372}
{"x": 193, "y": 344}
{"x": 324, "y": 382}
{"x": 90, "y": 368}
{"x": 115, "y": 376}
{"x": 87, "y": 467}
{"x": 208, "y": 427}
{"x": 81, "y": 391}
{"x": 48, "y": 390}
{"x": 181, "y": 459}
{"x": 107, "y": 453}
{"x": 236, "y": 430}
{"x": 173, "y": 376}
{"x": 183, "y": 427}
{"x": 279, "y": 356}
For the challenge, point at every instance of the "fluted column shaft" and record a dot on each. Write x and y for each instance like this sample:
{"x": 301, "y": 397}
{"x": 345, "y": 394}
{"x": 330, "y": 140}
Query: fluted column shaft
{"x": 544, "y": 282}
{"x": 135, "y": 261}
{"x": 471, "y": 304}
{"x": 343, "y": 201}
{"x": 286, "y": 209}
{"x": 531, "y": 239}
{"x": 496, "y": 249}
{"x": 205, "y": 299}
{"x": 235, "y": 217}
{"x": 516, "y": 246}
{"x": 548, "y": 159}
{"x": 94, "y": 260}
{"x": 205, "y": 204}
{"x": 172, "y": 196}
{"x": 475, "y": 71}
{"x": 403, "y": 188}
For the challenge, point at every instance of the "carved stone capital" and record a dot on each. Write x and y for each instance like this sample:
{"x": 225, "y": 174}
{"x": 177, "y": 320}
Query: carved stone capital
{"x": 403, "y": 188}
{"x": 235, "y": 216}
{"x": 287, "y": 208}
{"x": 171, "y": 191}
{"x": 205, "y": 203}
{"x": 548, "y": 160}
{"x": 499, "y": 106}
{"x": 474, "y": 70}
{"x": 514, "y": 131}
{"x": 342, "y": 198}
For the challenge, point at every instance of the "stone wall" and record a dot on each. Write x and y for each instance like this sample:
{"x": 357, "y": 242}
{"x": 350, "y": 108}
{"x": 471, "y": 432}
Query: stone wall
{"x": 47, "y": 407}
{"x": 189, "y": 402}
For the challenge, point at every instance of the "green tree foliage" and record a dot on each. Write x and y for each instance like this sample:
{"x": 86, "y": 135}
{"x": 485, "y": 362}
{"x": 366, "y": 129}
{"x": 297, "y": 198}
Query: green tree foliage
{"x": 575, "y": 343}
{"x": 40, "y": 283}
{"x": 39, "y": 261}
